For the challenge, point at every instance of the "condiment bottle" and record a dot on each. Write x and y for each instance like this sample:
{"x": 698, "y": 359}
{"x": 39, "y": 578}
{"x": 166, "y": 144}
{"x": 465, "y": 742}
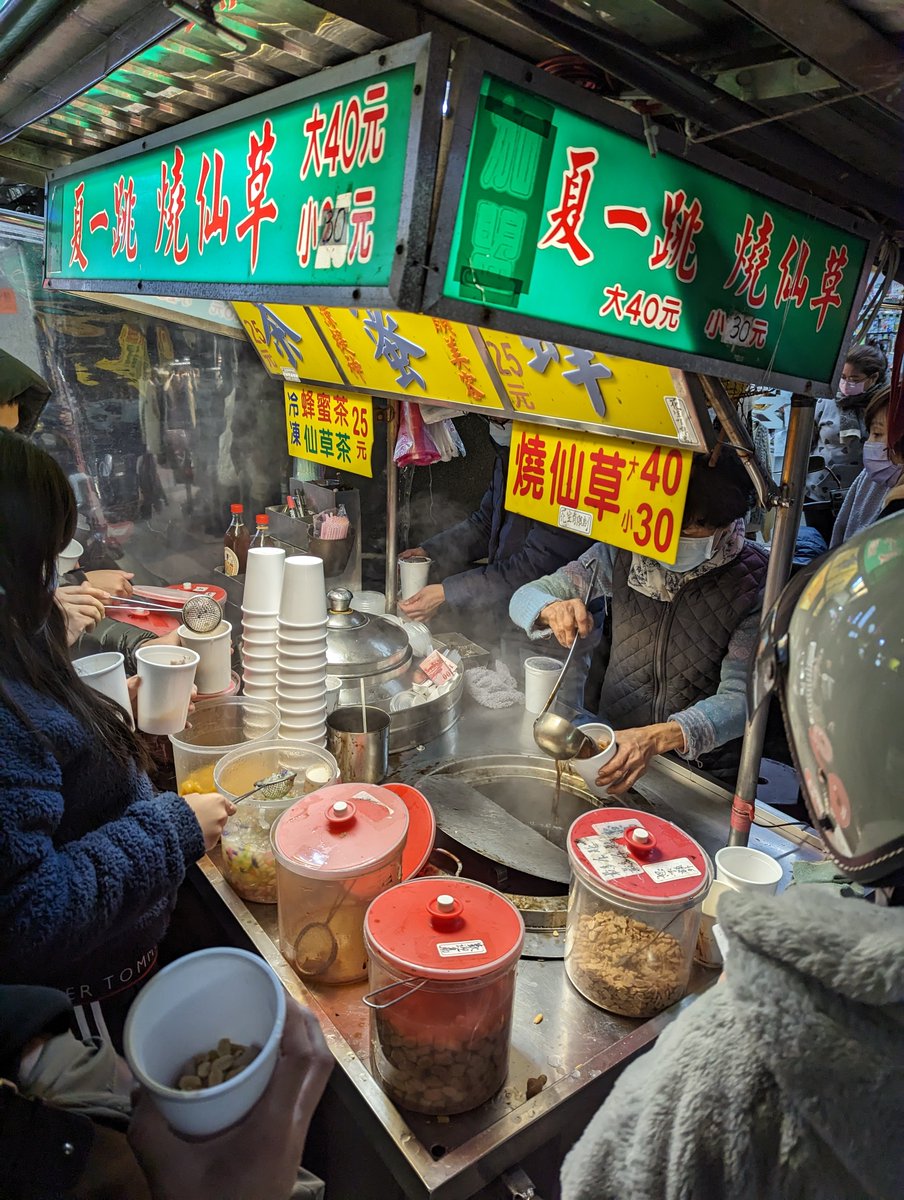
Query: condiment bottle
{"x": 443, "y": 955}
{"x": 638, "y": 883}
{"x": 335, "y": 851}
{"x": 235, "y": 543}
{"x": 261, "y": 532}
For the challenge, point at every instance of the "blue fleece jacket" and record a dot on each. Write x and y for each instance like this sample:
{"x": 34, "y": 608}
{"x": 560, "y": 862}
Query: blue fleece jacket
{"x": 517, "y": 550}
{"x": 90, "y": 858}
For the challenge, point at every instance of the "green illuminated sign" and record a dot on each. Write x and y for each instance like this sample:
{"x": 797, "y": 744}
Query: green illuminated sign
{"x": 305, "y": 189}
{"x": 564, "y": 224}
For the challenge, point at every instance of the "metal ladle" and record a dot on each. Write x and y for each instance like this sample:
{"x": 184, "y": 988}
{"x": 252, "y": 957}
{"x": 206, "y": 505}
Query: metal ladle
{"x": 557, "y": 736}
{"x": 275, "y": 787}
{"x": 200, "y": 614}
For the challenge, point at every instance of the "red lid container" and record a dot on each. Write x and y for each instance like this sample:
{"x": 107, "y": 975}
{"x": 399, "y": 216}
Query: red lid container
{"x": 638, "y": 857}
{"x": 444, "y": 929}
{"x": 341, "y": 831}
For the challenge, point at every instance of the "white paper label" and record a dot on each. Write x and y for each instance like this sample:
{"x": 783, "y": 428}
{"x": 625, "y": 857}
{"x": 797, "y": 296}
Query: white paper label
{"x": 678, "y": 412}
{"x": 459, "y": 949}
{"x": 614, "y": 829}
{"x": 742, "y": 329}
{"x": 675, "y": 868}
{"x": 575, "y": 519}
{"x": 608, "y": 860}
{"x": 290, "y": 375}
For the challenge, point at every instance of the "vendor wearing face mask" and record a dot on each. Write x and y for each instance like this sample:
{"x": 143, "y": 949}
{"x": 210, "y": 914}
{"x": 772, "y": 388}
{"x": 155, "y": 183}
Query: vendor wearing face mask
{"x": 881, "y": 474}
{"x": 841, "y": 426}
{"x": 674, "y": 673}
{"x": 515, "y": 549}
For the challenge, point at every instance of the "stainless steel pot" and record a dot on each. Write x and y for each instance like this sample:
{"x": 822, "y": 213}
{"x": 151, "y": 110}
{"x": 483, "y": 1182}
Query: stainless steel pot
{"x": 362, "y": 645}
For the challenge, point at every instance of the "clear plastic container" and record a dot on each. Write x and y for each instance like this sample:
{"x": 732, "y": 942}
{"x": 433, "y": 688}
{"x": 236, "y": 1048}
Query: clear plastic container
{"x": 248, "y": 864}
{"x": 336, "y": 851}
{"x": 634, "y": 910}
{"x": 215, "y": 728}
{"x": 443, "y": 957}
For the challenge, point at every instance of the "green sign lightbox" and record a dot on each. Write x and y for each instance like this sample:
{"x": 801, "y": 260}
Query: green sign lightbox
{"x": 310, "y": 191}
{"x": 563, "y": 224}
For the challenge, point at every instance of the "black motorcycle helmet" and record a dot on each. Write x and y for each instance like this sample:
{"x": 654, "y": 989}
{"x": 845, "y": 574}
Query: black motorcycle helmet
{"x": 833, "y": 649}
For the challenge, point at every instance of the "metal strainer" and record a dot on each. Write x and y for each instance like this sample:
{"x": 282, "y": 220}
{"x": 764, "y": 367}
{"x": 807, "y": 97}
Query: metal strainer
{"x": 200, "y": 614}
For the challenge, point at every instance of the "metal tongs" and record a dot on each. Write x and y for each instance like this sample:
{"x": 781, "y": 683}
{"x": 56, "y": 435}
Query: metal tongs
{"x": 555, "y": 735}
{"x": 200, "y": 614}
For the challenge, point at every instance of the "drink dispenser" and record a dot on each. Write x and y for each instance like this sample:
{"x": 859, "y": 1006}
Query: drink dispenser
{"x": 336, "y": 850}
{"x": 443, "y": 955}
{"x": 638, "y": 883}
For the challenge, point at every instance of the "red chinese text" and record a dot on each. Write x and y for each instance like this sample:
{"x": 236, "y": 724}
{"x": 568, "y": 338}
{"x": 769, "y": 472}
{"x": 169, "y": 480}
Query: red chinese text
{"x": 832, "y": 275}
{"x": 260, "y": 208}
{"x": 752, "y": 255}
{"x": 170, "y": 206}
{"x": 530, "y": 466}
{"x": 353, "y": 134}
{"x": 676, "y": 249}
{"x": 213, "y": 214}
{"x": 604, "y": 485}
{"x": 124, "y": 227}
{"x": 793, "y": 283}
{"x": 566, "y": 220}
{"x": 77, "y": 254}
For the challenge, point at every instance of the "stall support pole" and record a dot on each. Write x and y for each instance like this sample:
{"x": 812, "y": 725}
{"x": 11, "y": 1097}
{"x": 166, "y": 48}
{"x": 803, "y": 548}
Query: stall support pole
{"x": 392, "y": 506}
{"x": 787, "y": 520}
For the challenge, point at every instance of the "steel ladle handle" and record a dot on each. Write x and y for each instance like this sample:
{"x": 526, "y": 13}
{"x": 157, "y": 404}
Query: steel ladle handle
{"x": 572, "y": 648}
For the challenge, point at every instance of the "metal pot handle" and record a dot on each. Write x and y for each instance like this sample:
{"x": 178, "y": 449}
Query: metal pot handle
{"x": 410, "y": 985}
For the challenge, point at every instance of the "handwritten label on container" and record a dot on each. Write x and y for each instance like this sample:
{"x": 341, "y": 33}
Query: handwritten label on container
{"x": 675, "y": 868}
{"x": 459, "y": 949}
{"x": 608, "y": 860}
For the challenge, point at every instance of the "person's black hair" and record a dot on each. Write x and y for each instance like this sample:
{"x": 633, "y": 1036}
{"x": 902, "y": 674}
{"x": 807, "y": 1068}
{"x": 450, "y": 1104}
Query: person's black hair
{"x": 37, "y": 521}
{"x": 720, "y": 490}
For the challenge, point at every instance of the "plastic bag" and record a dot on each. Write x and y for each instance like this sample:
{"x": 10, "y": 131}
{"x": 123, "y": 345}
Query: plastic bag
{"x": 414, "y": 446}
{"x": 447, "y": 441}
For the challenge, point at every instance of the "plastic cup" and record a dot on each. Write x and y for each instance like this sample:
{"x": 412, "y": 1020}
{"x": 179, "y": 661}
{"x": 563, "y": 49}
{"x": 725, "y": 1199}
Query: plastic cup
{"x": 167, "y": 674}
{"x": 744, "y": 869}
{"x": 413, "y": 574}
{"x": 184, "y": 1011}
{"x": 587, "y": 768}
{"x": 263, "y": 579}
{"x": 69, "y": 559}
{"x": 303, "y": 600}
{"x": 106, "y": 673}
{"x": 214, "y": 728}
{"x": 215, "y": 652}
{"x": 540, "y": 674}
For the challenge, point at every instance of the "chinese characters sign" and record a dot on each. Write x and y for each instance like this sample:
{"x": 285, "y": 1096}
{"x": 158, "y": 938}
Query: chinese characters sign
{"x": 308, "y": 192}
{"x": 330, "y": 427}
{"x": 627, "y": 493}
{"x": 288, "y": 343}
{"x": 565, "y": 221}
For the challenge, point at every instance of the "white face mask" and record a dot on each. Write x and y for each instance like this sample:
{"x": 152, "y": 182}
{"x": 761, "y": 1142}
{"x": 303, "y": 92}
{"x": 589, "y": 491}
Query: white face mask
{"x": 692, "y": 552}
{"x": 501, "y": 434}
{"x": 848, "y": 387}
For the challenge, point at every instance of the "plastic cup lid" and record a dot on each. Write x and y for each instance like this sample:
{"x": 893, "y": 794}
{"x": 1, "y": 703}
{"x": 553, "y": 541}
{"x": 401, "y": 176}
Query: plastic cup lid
{"x": 639, "y": 856}
{"x": 342, "y": 830}
{"x": 444, "y": 929}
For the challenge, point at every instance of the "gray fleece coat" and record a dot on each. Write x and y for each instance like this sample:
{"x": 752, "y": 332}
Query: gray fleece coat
{"x": 784, "y": 1082}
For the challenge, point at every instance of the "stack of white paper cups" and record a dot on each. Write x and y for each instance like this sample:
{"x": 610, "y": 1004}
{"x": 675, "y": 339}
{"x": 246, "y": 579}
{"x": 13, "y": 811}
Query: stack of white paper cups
{"x": 260, "y": 614}
{"x": 301, "y": 661}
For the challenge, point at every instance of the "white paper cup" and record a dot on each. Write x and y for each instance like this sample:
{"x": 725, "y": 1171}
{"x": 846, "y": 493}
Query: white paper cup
{"x": 262, "y": 657}
{"x": 333, "y": 688}
{"x": 308, "y": 712}
{"x": 263, "y": 579}
{"x": 185, "y": 1010}
{"x": 413, "y": 575}
{"x": 252, "y": 691}
{"x": 106, "y": 673}
{"x": 268, "y": 623}
{"x": 215, "y": 651}
{"x": 259, "y": 639}
{"x": 293, "y": 732}
{"x": 167, "y": 674}
{"x": 540, "y": 675}
{"x": 301, "y": 658}
{"x": 303, "y": 600}
{"x": 300, "y": 631}
{"x": 587, "y": 768}
{"x": 69, "y": 559}
{"x": 744, "y": 869}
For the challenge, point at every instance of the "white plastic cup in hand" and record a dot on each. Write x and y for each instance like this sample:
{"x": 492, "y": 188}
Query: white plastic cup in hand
{"x": 215, "y": 652}
{"x": 263, "y": 579}
{"x": 183, "y": 1012}
{"x": 106, "y": 673}
{"x": 303, "y": 600}
{"x": 167, "y": 674}
{"x": 744, "y": 869}
{"x": 588, "y": 768}
{"x": 413, "y": 575}
{"x": 69, "y": 559}
{"x": 540, "y": 675}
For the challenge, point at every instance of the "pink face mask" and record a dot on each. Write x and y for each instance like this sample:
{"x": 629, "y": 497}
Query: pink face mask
{"x": 848, "y": 387}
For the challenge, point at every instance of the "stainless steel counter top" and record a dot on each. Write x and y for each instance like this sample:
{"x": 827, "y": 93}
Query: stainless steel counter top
{"x": 578, "y": 1047}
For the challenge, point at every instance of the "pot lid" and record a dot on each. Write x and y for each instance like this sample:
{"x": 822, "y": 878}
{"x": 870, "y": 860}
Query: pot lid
{"x": 341, "y": 831}
{"x": 444, "y": 928}
{"x": 638, "y": 856}
{"x": 361, "y": 644}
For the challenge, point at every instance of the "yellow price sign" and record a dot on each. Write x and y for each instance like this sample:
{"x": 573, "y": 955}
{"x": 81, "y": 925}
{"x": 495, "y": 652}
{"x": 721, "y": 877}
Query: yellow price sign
{"x": 629, "y": 494}
{"x": 330, "y": 427}
{"x": 409, "y": 355}
{"x": 544, "y": 379}
{"x": 287, "y": 342}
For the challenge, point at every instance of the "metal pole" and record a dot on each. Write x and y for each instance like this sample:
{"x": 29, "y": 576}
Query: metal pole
{"x": 392, "y": 506}
{"x": 787, "y": 520}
